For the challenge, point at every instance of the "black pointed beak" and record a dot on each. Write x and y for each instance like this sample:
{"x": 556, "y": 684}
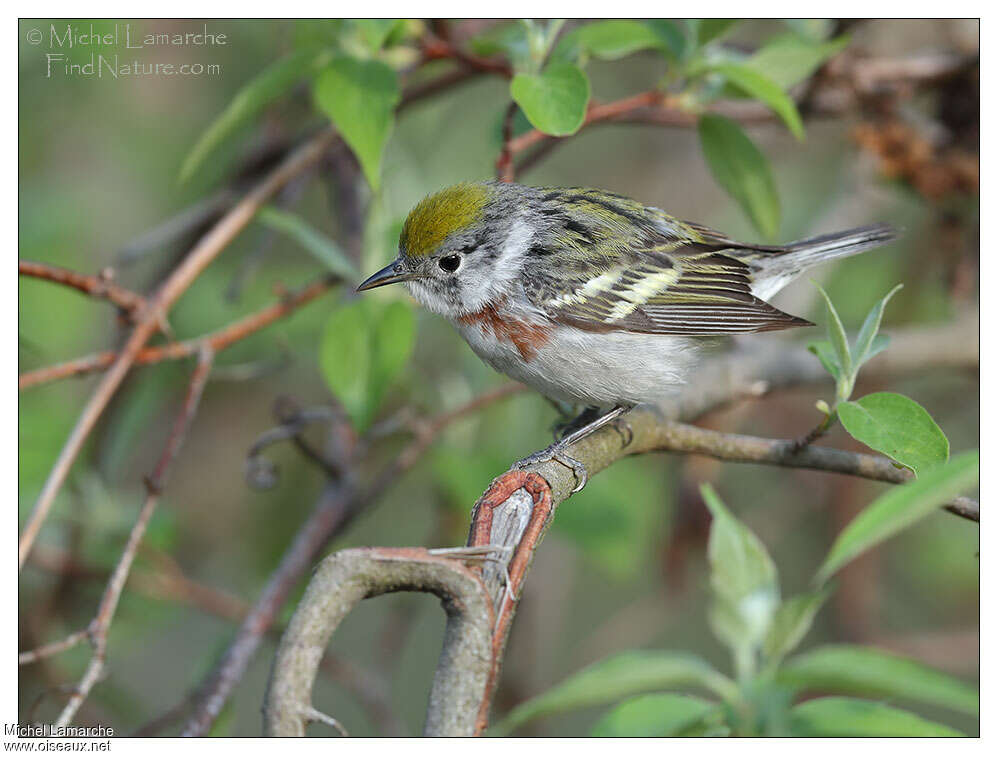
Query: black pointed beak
{"x": 390, "y": 274}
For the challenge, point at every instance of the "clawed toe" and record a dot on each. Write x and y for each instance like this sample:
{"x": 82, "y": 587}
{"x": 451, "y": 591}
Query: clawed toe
{"x": 556, "y": 453}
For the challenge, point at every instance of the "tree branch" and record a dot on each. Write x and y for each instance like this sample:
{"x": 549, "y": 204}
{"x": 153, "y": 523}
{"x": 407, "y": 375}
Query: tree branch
{"x": 101, "y": 286}
{"x": 154, "y": 314}
{"x": 339, "y": 504}
{"x": 216, "y": 340}
{"x": 718, "y": 382}
{"x": 98, "y": 629}
{"x": 344, "y": 579}
{"x": 510, "y": 519}
{"x": 849, "y": 79}
{"x": 683, "y": 438}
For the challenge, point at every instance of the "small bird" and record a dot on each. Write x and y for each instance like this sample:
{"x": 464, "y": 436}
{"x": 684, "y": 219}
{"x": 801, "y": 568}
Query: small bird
{"x": 589, "y": 297}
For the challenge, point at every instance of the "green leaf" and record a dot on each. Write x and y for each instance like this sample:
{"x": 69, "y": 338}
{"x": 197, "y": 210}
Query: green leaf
{"x": 880, "y": 344}
{"x": 324, "y": 249}
{"x": 869, "y": 672}
{"x": 792, "y": 622}
{"x": 709, "y": 29}
{"x": 610, "y": 40}
{"x": 863, "y": 347}
{"x": 841, "y": 348}
{"x": 375, "y": 31}
{"x": 898, "y": 427}
{"x": 741, "y": 169}
{"x": 899, "y": 508}
{"x": 654, "y": 715}
{"x": 360, "y": 97}
{"x": 841, "y": 716}
{"x": 827, "y": 356}
{"x": 743, "y": 577}
{"x": 553, "y": 101}
{"x": 756, "y": 85}
{"x": 670, "y": 35}
{"x": 789, "y": 58}
{"x": 616, "y": 677}
{"x": 392, "y": 342}
{"x": 271, "y": 83}
{"x": 345, "y": 358}
{"x": 508, "y": 39}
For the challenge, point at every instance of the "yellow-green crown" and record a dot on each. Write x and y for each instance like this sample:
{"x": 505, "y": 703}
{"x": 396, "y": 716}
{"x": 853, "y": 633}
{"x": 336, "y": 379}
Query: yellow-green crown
{"x": 436, "y": 217}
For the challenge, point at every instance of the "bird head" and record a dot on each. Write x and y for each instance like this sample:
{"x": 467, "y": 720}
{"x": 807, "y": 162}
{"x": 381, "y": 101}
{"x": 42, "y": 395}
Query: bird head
{"x": 460, "y": 248}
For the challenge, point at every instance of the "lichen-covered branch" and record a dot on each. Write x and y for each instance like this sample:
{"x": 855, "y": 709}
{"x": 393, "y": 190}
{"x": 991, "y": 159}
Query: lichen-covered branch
{"x": 344, "y": 579}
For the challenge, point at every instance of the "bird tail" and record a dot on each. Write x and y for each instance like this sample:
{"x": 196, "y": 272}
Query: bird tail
{"x": 783, "y": 264}
{"x": 808, "y": 252}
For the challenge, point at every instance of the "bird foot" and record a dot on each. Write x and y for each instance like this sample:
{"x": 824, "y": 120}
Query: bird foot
{"x": 588, "y": 422}
{"x": 556, "y": 453}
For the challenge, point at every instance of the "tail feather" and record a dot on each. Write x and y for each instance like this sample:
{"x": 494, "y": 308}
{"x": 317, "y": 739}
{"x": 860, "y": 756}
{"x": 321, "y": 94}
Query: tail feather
{"x": 777, "y": 267}
{"x": 809, "y": 252}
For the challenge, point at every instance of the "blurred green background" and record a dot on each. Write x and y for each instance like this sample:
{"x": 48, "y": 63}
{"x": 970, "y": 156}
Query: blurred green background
{"x": 623, "y": 566}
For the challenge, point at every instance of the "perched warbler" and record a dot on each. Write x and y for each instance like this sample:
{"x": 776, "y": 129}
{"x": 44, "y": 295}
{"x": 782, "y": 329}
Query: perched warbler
{"x": 590, "y": 297}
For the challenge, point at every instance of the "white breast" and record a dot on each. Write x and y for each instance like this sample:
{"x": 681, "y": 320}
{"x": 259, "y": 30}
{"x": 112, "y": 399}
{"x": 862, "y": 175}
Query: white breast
{"x": 588, "y": 368}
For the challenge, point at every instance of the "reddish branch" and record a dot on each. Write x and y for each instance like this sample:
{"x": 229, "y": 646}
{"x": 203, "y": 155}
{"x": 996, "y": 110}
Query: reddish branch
{"x": 217, "y": 340}
{"x": 436, "y": 48}
{"x": 210, "y": 246}
{"x": 101, "y": 286}
{"x": 845, "y": 81}
{"x": 481, "y": 536}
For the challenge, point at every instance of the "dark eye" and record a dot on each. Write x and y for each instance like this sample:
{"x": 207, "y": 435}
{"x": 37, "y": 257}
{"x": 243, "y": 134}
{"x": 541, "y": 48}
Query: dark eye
{"x": 450, "y": 263}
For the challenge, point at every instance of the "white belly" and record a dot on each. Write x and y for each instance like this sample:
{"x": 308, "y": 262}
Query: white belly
{"x": 589, "y": 368}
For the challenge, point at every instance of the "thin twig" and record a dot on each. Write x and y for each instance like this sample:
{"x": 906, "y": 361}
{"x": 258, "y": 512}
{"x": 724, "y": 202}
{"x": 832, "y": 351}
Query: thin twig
{"x": 217, "y": 340}
{"x": 154, "y": 314}
{"x": 337, "y": 507}
{"x": 504, "y": 163}
{"x": 168, "y": 582}
{"x": 98, "y": 630}
{"x": 739, "y": 448}
{"x": 861, "y": 76}
{"x": 47, "y": 650}
{"x": 101, "y": 286}
{"x": 435, "y": 48}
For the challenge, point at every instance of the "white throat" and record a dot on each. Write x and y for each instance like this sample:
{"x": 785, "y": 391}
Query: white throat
{"x": 484, "y": 290}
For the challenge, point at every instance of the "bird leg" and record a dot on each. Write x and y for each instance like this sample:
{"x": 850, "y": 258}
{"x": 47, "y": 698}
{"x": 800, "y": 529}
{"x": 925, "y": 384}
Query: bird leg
{"x": 557, "y": 451}
{"x": 571, "y": 424}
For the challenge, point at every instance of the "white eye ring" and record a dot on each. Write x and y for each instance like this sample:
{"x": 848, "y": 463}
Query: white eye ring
{"x": 449, "y": 263}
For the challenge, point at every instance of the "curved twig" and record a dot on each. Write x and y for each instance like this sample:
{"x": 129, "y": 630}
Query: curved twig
{"x": 336, "y": 508}
{"x": 344, "y": 579}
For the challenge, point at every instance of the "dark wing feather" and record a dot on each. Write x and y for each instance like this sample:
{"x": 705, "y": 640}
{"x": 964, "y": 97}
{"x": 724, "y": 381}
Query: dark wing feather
{"x": 706, "y": 294}
{"x": 611, "y": 264}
